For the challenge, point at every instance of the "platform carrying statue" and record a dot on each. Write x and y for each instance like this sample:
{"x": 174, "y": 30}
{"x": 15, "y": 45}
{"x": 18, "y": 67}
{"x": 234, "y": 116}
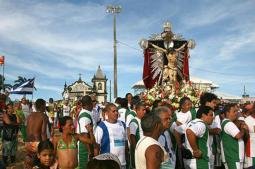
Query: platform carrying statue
{"x": 166, "y": 59}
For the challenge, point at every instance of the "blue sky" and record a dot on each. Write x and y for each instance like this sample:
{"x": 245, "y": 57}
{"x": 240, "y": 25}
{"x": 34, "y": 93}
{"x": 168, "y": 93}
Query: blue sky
{"x": 54, "y": 40}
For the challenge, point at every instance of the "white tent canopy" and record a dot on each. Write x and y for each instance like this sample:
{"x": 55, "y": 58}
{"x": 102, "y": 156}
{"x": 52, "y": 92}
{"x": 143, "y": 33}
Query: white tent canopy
{"x": 227, "y": 96}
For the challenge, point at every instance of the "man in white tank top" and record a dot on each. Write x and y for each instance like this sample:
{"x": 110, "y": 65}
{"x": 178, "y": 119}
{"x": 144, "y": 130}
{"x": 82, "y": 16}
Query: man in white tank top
{"x": 149, "y": 154}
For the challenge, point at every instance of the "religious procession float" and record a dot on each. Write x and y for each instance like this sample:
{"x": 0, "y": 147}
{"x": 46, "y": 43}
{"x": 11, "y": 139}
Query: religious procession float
{"x": 166, "y": 68}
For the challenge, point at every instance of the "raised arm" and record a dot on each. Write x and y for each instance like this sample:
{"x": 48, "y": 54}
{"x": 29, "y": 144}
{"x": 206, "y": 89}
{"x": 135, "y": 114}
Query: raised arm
{"x": 159, "y": 48}
{"x": 180, "y": 48}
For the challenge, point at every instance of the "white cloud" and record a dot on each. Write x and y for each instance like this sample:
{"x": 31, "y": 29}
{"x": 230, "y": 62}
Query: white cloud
{"x": 58, "y": 40}
{"x": 210, "y": 12}
{"x": 49, "y": 88}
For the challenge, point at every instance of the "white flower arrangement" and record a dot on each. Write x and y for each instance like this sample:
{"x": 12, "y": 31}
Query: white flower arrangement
{"x": 163, "y": 92}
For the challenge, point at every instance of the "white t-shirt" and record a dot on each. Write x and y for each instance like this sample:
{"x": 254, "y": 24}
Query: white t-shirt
{"x": 122, "y": 112}
{"x": 215, "y": 124}
{"x": 133, "y": 127}
{"x": 183, "y": 118}
{"x": 66, "y": 110}
{"x": 128, "y": 120}
{"x": 199, "y": 129}
{"x": 231, "y": 129}
{"x": 83, "y": 122}
{"x": 117, "y": 136}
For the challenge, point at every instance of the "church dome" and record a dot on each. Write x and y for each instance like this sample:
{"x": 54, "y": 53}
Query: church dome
{"x": 99, "y": 74}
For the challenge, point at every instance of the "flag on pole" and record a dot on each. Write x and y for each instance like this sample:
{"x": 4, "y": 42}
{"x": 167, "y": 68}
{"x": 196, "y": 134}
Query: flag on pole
{"x": 1, "y": 60}
{"x": 25, "y": 88}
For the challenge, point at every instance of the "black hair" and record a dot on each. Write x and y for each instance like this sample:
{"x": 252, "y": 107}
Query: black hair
{"x": 227, "y": 108}
{"x": 203, "y": 110}
{"x": 136, "y": 100}
{"x": 128, "y": 94}
{"x": 40, "y": 105}
{"x": 183, "y": 100}
{"x": 124, "y": 103}
{"x": 62, "y": 122}
{"x": 118, "y": 100}
{"x": 50, "y": 100}
{"x": 156, "y": 103}
{"x": 207, "y": 97}
{"x": 44, "y": 145}
{"x": 102, "y": 164}
{"x": 149, "y": 122}
{"x": 139, "y": 105}
{"x": 86, "y": 100}
{"x": 9, "y": 104}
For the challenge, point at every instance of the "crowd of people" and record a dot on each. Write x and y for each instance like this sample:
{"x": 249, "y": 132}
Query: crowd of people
{"x": 129, "y": 134}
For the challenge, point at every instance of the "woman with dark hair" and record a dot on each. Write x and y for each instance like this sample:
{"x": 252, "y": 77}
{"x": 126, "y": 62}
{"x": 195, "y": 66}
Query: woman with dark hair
{"x": 65, "y": 146}
{"x": 129, "y": 98}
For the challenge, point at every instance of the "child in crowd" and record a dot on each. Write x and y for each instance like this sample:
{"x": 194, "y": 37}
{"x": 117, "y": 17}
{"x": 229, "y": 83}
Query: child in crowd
{"x": 45, "y": 154}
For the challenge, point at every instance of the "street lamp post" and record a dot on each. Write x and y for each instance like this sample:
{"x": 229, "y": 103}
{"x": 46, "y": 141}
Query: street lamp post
{"x": 114, "y": 10}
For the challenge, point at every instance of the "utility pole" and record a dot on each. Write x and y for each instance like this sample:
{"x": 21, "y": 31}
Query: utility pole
{"x": 114, "y": 10}
{"x": 110, "y": 91}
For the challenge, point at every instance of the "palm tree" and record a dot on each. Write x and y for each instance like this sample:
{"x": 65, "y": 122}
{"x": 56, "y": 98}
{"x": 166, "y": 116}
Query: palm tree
{"x": 5, "y": 86}
{"x": 19, "y": 81}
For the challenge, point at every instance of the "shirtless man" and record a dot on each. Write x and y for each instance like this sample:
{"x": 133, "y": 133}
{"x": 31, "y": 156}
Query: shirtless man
{"x": 37, "y": 123}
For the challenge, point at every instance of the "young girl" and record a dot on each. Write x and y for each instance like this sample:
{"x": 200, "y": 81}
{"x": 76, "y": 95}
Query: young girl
{"x": 45, "y": 154}
{"x": 66, "y": 147}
